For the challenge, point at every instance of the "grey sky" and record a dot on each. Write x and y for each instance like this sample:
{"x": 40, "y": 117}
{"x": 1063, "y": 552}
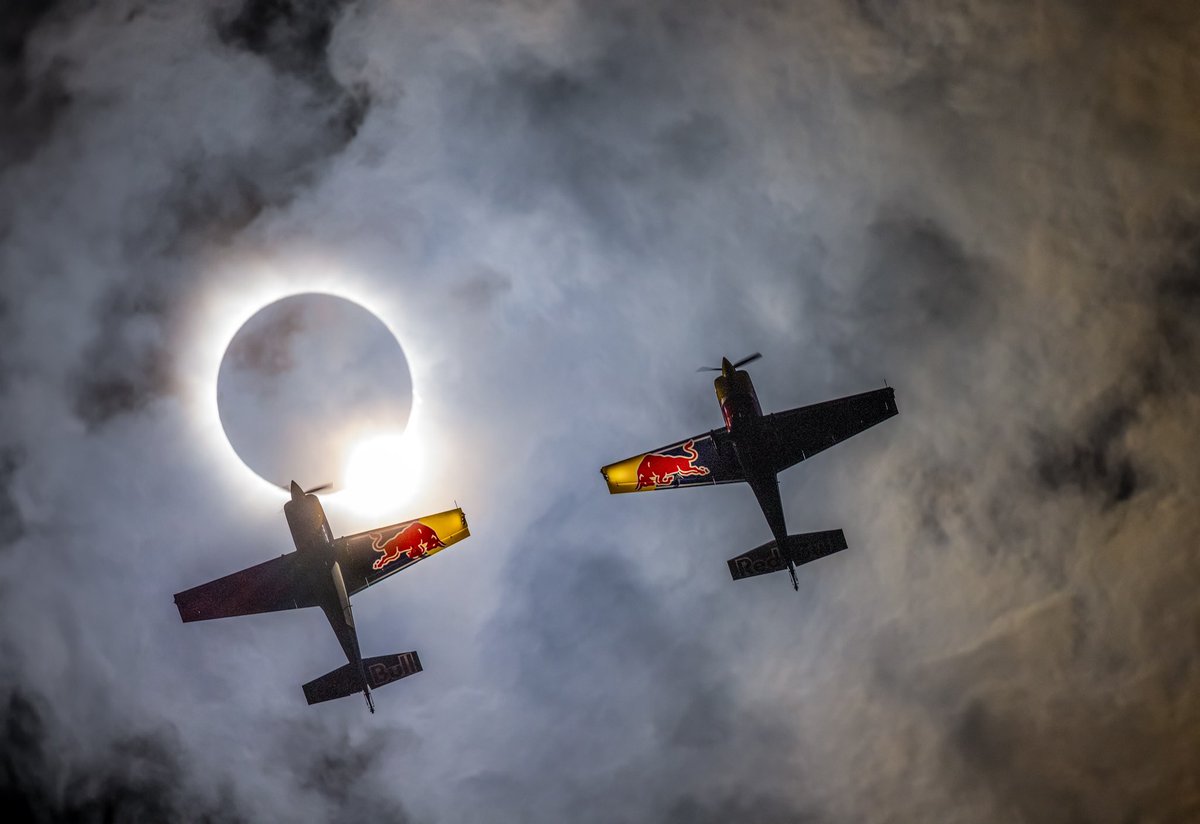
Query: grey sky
{"x": 562, "y": 209}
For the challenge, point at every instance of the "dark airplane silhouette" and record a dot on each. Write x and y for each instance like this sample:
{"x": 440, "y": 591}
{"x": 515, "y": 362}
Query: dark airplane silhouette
{"x": 755, "y": 448}
{"x": 324, "y": 572}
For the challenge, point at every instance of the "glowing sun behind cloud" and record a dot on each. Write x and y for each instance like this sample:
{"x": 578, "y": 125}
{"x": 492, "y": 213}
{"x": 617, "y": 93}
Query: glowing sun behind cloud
{"x": 381, "y": 470}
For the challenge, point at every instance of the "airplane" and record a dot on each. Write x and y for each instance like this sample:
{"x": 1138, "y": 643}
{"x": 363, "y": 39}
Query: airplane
{"x": 755, "y": 448}
{"x": 324, "y": 572}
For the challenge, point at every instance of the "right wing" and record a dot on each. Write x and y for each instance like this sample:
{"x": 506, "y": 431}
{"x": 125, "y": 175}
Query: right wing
{"x": 801, "y": 433}
{"x": 700, "y": 461}
{"x": 267, "y": 587}
{"x": 367, "y": 558}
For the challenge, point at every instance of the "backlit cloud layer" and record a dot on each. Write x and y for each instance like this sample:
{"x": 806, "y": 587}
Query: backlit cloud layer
{"x": 563, "y": 208}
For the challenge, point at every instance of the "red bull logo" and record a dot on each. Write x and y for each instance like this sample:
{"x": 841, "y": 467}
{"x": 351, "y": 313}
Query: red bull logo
{"x": 413, "y": 541}
{"x": 658, "y": 469}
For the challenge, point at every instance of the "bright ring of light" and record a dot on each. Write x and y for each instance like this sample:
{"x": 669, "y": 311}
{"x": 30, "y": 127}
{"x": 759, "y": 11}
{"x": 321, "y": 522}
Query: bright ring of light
{"x": 373, "y": 483}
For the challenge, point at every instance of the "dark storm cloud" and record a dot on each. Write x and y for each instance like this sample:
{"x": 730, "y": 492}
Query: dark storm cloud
{"x": 1174, "y": 344}
{"x": 207, "y": 198}
{"x": 10, "y": 516}
{"x": 993, "y": 207}
{"x": 343, "y": 773}
{"x": 917, "y": 266}
{"x": 1052, "y": 755}
{"x": 31, "y": 104}
{"x": 1093, "y": 460}
{"x": 916, "y": 290}
{"x": 1095, "y": 457}
{"x": 293, "y": 37}
{"x": 170, "y": 205}
{"x": 141, "y": 780}
{"x": 614, "y": 129}
{"x": 125, "y": 367}
{"x": 645, "y": 705}
{"x": 292, "y": 34}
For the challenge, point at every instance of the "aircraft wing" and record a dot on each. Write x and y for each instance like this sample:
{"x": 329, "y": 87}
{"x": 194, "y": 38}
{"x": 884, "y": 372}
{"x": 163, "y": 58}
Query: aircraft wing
{"x": 702, "y": 460}
{"x": 367, "y": 558}
{"x": 271, "y": 586}
{"x": 801, "y": 433}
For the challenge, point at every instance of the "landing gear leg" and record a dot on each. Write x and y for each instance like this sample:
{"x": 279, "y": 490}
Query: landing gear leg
{"x": 792, "y": 570}
{"x": 370, "y": 701}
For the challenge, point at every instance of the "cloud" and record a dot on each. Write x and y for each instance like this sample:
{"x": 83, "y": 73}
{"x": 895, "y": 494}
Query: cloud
{"x": 565, "y": 208}
{"x": 33, "y": 103}
{"x": 142, "y": 778}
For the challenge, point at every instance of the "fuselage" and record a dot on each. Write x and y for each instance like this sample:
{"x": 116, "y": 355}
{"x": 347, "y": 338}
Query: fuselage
{"x": 314, "y": 543}
{"x": 743, "y": 421}
{"x": 310, "y": 528}
{"x": 735, "y": 393}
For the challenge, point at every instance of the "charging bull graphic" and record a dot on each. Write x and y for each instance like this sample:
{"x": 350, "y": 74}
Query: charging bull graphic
{"x": 414, "y": 541}
{"x": 658, "y": 469}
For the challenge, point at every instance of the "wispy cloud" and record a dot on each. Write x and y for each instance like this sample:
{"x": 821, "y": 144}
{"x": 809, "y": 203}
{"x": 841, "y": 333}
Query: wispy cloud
{"x": 570, "y": 206}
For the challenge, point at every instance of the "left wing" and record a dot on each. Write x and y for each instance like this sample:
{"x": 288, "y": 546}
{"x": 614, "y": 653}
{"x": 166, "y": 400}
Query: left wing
{"x": 368, "y": 557}
{"x": 801, "y": 433}
{"x": 700, "y": 461}
{"x": 267, "y": 587}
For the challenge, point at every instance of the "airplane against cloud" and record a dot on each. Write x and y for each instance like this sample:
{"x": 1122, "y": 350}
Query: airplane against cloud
{"x": 324, "y": 572}
{"x": 755, "y": 448}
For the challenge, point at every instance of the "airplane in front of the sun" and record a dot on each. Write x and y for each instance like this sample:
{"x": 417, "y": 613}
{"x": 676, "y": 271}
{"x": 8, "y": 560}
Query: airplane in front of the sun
{"x": 324, "y": 572}
{"x": 755, "y": 448}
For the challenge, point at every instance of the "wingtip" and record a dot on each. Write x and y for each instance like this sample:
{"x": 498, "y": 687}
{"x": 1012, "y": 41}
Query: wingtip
{"x": 185, "y": 615}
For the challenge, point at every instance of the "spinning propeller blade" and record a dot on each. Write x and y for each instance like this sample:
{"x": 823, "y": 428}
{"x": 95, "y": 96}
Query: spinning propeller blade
{"x": 741, "y": 363}
{"x": 297, "y": 492}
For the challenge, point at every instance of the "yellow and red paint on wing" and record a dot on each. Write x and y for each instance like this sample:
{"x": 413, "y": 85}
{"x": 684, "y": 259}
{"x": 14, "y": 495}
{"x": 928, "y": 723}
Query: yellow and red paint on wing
{"x": 415, "y": 541}
{"x": 405, "y": 543}
{"x": 655, "y": 470}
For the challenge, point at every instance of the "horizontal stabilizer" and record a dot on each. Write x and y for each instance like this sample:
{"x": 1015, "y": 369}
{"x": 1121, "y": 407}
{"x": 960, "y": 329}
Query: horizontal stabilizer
{"x": 800, "y": 549}
{"x": 384, "y": 669}
{"x": 345, "y": 680}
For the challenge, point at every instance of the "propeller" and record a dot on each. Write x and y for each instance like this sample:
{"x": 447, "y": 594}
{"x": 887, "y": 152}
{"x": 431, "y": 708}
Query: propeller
{"x": 295, "y": 487}
{"x": 742, "y": 362}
